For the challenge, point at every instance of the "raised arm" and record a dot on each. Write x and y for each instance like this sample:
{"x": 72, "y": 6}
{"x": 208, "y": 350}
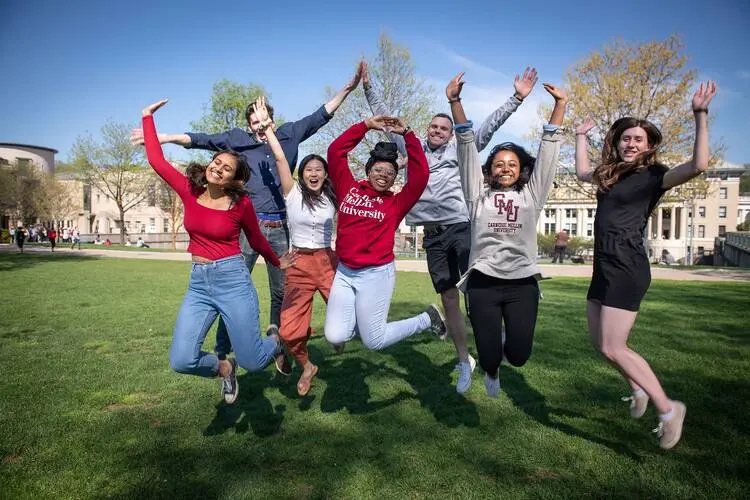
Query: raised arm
{"x": 332, "y": 105}
{"x": 378, "y": 107}
{"x": 584, "y": 172}
{"x": 154, "y": 153}
{"x": 136, "y": 137}
{"x": 417, "y": 169}
{"x": 523, "y": 85}
{"x": 699, "y": 163}
{"x": 282, "y": 165}
{"x": 545, "y": 166}
{"x": 469, "y": 165}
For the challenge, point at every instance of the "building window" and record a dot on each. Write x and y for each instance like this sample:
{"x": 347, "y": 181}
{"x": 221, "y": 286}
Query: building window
{"x": 151, "y": 195}
{"x": 723, "y": 193}
{"x": 152, "y": 224}
{"x": 701, "y": 231}
{"x": 722, "y": 231}
{"x": 571, "y": 213}
{"x": 127, "y": 225}
{"x": 589, "y": 229}
{"x": 590, "y": 212}
{"x": 87, "y": 197}
{"x": 571, "y": 228}
{"x": 549, "y": 228}
{"x": 166, "y": 225}
{"x": 701, "y": 211}
{"x": 722, "y": 212}
{"x": 23, "y": 162}
{"x": 98, "y": 197}
{"x": 690, "y": 231}
{"x": 550, "y": 212}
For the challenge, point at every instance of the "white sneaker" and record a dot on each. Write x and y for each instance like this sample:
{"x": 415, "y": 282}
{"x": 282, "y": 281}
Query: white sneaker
{"x": 492, "y": 385}
{"x": 465, "y": 369}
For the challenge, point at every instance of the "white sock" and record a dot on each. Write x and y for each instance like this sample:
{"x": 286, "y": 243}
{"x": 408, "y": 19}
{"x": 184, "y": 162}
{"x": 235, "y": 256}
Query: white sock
{"x": 667, "y": 416}
{"x": 639, "y": 393}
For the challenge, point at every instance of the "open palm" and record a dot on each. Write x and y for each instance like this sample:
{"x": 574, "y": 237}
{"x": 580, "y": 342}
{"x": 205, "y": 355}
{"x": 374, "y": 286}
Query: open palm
{"x": 524, "y": 84}
{"x": 703, "y": 96}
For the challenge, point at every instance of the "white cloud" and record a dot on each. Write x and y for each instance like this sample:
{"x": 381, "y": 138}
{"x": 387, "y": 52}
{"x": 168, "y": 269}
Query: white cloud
{"x": 744, "y": 74}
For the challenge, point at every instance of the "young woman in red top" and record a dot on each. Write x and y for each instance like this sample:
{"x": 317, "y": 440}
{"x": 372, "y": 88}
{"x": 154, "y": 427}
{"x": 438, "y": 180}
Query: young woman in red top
{"x": 216, "y": 209}
{"x": 368, "y": 215}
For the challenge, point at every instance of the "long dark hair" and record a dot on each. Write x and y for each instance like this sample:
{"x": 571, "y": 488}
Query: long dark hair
{"x": 309, "y": 197}
{"x": 524, "y": 158}
{"x": 613, "y": 167}
{"x": 196, "y": 174}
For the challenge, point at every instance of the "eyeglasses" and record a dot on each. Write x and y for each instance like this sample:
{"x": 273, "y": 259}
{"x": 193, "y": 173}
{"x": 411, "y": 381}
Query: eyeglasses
{"x": 388, "y": 172}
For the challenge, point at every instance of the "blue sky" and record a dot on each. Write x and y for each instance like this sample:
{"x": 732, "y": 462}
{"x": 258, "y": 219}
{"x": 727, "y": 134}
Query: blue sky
{"x": 70, "y": 66}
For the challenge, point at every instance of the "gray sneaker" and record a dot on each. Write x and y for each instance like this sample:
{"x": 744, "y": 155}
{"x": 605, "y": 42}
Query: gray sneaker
{"x": 670, "y": 431}
{"x": 638, "y": 404}
{"x": 465, "y": 369}
{"x": 492, "y": 385}
{"x": 229, "y": 386}
{"x": 437, "y": 321}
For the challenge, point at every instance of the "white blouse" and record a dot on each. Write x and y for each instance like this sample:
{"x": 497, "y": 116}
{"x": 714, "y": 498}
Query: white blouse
{"x": 309, "y": 228}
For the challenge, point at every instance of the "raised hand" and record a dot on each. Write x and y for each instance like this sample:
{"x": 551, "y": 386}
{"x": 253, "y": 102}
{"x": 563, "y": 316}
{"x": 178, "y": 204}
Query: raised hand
{"x": 524, "y": 84}
{"x": 261, "y": 112}
{"x": 136, "y": 137}
{"x": 150, "y": 109}
{"x": 584, "y": 127}
{"x": 557, "y": 92}
{"x": 378, "y": 122}
{"x": 365, "y": 74}
{"x": 396, "y": 125}
{"x": 453, "y": 90}
{"x": 355, "y": 79}
{"x": 703, "y": 96}
{"x": 289, "y": 259}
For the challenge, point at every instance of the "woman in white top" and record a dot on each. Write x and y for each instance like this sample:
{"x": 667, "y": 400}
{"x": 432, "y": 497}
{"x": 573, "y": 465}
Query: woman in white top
{"x": 310, "y": 207}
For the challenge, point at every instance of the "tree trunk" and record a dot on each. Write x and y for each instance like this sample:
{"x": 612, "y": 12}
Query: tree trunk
{"x": 122, "y": 225}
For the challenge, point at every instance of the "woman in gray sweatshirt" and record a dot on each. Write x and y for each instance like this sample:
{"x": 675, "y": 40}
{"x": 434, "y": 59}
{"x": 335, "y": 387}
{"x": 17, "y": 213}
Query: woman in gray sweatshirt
{"x": 504, "y": 196}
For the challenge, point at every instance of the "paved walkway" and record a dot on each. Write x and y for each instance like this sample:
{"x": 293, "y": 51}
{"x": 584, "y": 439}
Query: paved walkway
{"x": 548, "y": 270}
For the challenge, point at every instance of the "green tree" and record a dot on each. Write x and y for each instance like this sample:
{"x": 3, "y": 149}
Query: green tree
{"x": 114, "y": 166}
{"x": 393, "y": 76}
{"x": 745, "y": 183}
{"x": 19, "y": 191}
{"x": 648, "y": 80}
{"x": 226, "y": 108}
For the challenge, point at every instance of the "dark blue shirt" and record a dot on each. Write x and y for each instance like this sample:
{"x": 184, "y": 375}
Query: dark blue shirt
{"x": 264, "y": 184}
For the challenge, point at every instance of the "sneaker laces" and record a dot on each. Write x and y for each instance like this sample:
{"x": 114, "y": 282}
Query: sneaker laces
{"x": 659, "y": 431}
{"x": 629, "y": 398}
{"x": 226, "y": 383}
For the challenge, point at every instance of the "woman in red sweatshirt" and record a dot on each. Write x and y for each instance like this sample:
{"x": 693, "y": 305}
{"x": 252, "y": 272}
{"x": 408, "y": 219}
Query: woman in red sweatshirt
{"x": 368, "y": 215}
{"x": 216, "y": 209}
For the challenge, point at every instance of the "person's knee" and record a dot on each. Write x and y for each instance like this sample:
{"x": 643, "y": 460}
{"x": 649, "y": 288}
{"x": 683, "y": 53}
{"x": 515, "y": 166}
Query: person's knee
{"x": 609, "y": 351}
{"x": 182, "y": 362}
{"x": 518, "y": 359}
{"x": 450, "y": 299}
{"x": 373, "y": 343}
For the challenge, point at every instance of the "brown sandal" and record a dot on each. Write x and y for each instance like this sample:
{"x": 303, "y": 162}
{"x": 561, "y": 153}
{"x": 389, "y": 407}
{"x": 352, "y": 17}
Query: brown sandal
{"x": 303, "y": 387}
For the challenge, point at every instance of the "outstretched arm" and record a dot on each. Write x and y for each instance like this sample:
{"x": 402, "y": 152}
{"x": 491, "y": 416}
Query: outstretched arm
{"x": 334, "y": 103}
{"x": 584, "y": 172}
{"x": 699, "y": 163}
{"x": 523, "y": 85}
{"x": 282, "y": 165}
{"x": 378, "y": 107}
{"x": 417, "y": 169}
{"x": 545, "y": 166}
{"x": 469, "y": 165}
{"x": 154, "y": 153}
{"x": 136, "y": 137}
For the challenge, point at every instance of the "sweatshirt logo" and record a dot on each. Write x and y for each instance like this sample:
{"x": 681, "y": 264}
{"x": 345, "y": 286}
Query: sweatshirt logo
{"x": 361, "y": 205}
{"x": 506, "y": 206}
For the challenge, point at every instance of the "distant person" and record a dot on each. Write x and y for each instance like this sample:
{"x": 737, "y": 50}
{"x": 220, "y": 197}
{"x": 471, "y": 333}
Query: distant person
{"x": 107, "y": 243}
{"x": 20, "y": 237}
{"x": 561, "y": 246}
{"x": 52, "y": 237}
{"x": 75, "y": 238}
{"x": 128, "y": 243}
{"x": 667, "y": 258}
{"x": 66, "y": 235}
{"x": 139, "y": 243}
{"x": 630, "y": 182}
{"x": 98, "y": 240}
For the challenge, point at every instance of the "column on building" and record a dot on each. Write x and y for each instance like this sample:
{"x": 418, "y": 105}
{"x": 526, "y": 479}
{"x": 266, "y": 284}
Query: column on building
{"x": 672, "y": 217}
{"x": 659, "y": 222}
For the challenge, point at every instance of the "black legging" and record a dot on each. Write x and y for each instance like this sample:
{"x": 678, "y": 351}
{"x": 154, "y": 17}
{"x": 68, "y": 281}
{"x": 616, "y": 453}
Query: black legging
{"x": 494, "y": 300}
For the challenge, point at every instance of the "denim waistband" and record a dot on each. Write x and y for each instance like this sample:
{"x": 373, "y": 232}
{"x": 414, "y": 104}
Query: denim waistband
{"x": 225, "y": 262}
{"x": 271, "y": 216}
{"x": 382, "y": 268}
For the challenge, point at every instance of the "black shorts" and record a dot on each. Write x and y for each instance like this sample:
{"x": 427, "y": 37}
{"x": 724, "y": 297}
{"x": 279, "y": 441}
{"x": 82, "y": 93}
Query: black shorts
{"x": 620, "y": 281}
{"x": 448, "y": 249}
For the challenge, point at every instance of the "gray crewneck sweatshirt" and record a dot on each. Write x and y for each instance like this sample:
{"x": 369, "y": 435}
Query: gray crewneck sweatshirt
{"x": 503, "y": 234}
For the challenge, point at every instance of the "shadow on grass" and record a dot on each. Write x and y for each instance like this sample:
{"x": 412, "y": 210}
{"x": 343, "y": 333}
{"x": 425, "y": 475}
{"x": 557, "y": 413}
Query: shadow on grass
{"x": 15, "y": 261}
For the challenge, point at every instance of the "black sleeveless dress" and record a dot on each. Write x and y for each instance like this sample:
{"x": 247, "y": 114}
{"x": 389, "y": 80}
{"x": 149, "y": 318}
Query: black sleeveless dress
{"x": 622, "y": 272}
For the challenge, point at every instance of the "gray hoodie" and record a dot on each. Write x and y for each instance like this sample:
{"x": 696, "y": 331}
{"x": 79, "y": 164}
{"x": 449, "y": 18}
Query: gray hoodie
{"x": 503, "y": 235}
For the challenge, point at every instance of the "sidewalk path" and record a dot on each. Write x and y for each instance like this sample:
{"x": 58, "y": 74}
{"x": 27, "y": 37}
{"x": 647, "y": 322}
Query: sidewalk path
{"x": 548, "y": 270}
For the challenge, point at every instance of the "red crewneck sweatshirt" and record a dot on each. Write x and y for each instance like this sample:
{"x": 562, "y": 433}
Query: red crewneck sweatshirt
{"x": 368, "y": 219}
{"x": 214, "y": 234}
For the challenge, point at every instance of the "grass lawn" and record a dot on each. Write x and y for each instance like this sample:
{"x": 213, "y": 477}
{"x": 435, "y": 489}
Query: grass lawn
{"x": 90, "y": 409}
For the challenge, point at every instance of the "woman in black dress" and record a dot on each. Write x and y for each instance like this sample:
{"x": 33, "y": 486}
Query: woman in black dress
{"x": 630, "y": 183}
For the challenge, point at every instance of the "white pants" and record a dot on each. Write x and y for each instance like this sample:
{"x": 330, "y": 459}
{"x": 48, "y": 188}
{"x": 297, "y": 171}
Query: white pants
{"x": 361, "y": 298}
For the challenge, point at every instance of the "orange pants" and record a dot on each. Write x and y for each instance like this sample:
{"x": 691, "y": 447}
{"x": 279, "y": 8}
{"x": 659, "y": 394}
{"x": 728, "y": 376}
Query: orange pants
{"x": 313, "y": 271}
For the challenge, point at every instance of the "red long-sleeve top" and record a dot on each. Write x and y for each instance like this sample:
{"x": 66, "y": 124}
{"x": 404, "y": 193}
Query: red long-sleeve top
{"x": 368, "y": 219}
{"x": 214, "y": 234}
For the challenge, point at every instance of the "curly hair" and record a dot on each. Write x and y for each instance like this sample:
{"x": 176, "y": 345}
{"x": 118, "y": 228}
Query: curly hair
{"x": 612, "y": 167}
{"x": 309, "y": 198}
{"x": 383, "y": 151}
{"x": 196, "y": 174}
{"x": 524, "y": 158}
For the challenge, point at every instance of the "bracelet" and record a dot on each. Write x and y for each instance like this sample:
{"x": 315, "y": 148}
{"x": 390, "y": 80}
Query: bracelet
{"x": 701, "y": 111}
{"x": 457, "y": 99}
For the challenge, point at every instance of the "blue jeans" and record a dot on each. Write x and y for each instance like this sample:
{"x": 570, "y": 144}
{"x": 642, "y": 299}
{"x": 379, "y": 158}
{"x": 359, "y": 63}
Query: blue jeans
{"x": 278, "y": 238}
{"x": 361, "y": 298}
{"x": 221, "y": 288}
